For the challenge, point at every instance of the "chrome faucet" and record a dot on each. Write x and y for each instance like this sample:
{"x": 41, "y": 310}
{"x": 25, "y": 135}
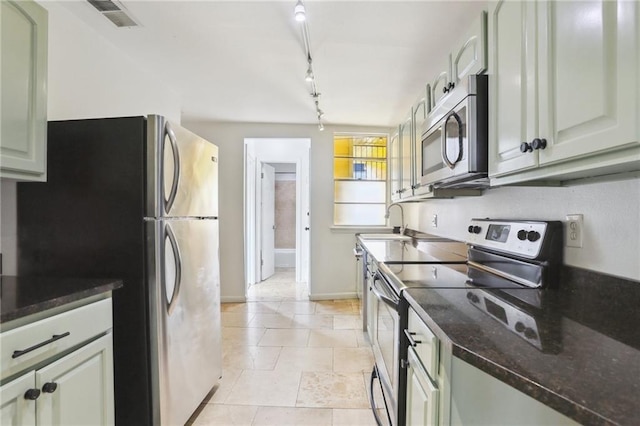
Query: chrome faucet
{"x": 386, "y": 216}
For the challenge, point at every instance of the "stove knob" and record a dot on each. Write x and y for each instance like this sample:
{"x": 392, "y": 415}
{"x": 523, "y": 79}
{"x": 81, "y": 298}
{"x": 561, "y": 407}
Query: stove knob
{"x": 477, "y": 229}
{"x": 522, "y": 235}
{"x": 472, "y": 297}
{"x": 530, "y": 333}
{"x": 533, "y": 236}
{"x": 470, "y": 229}
{"x": 520, "y": 327}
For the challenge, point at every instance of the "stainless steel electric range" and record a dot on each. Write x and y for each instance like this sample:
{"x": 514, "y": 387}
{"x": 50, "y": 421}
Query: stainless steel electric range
{"x": 510, "y": 263}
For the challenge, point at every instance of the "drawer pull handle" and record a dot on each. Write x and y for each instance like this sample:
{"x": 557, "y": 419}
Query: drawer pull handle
{"x": 32, "y": 394}
{"x": 49, "y": 387}
{"x": 55, "y": 337}
{"x": 410, "y": 335}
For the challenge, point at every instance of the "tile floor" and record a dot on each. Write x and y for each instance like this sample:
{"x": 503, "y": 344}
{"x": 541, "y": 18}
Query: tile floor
{"x": 290, "y": 361}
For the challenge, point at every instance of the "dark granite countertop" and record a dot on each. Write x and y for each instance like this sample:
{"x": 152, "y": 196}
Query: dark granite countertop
{"x": 588, "y": 366}
{"x": 415, "y": 251}
{"x": 22, "y": 296}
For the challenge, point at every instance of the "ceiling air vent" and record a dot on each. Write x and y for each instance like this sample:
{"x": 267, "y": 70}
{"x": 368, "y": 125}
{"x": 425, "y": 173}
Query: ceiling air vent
{"x": 115, "y": 12}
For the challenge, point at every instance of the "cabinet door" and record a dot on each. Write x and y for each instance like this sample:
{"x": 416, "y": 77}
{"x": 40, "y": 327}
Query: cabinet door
{"x": 421, "y": 395}
{"x": 406, "y": 142}
{"x": 419, "y": 118}
{"x": 395, "y": 172}
{"x": 513, "y": 101}
{"x": 23, "y": 79}
{"x": 15, "y": 409}
{"x": 471, "y": 54}
{"x": 588, "y": 77}
{"x": 78, "y": 388}
{"x": 440, "y": 84}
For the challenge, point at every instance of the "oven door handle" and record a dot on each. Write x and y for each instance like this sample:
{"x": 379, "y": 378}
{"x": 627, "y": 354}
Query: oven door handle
{"x": 379, "y": 294}
{"x": 374, "y": 376}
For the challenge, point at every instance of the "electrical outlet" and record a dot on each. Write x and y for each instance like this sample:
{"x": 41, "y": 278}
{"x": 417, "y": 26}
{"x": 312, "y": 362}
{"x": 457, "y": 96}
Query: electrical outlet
{"x": 574, "y": 230}
{"x": 434, "y": 220}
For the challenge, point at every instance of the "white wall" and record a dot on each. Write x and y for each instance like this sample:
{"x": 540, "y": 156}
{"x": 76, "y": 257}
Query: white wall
{"x": 87, "y": 77}
{"x": 332, "y": 261}
{"x": 611, "y": 241}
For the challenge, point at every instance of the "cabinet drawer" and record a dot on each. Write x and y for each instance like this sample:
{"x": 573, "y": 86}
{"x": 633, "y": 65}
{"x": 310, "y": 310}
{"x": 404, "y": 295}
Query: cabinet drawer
{"x": 50, "y": 337}
{"x": 426, "y": 344}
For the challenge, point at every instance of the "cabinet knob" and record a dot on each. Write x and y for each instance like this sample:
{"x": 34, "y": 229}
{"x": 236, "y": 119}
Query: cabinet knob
{"x": 32, "y": 394}
{"x": 539, "y": 143}
{"x": 451, "y": 85}
{"x": 49, "y": 387}
{"x": 445, "y": 89}
{"x": 525, "y": 147}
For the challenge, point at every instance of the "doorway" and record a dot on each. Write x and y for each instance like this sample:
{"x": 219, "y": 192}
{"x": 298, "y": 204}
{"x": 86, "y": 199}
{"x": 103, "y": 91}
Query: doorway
{"x": 273, "y": 165}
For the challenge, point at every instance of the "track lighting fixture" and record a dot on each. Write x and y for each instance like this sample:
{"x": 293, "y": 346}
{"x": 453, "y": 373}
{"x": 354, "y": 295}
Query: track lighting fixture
{"x": 301, "y": 16}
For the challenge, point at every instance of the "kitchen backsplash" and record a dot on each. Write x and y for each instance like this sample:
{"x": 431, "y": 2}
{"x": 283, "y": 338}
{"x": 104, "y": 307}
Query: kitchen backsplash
{"x": 611, "y": 210}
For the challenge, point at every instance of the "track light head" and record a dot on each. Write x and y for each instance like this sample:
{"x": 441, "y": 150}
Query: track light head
{"x": 299, "y": 12}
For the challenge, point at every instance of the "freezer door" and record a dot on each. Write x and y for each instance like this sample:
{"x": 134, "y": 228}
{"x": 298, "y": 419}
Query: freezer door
{"x": 185, "y": 316}
{"x": 182, "y": 172}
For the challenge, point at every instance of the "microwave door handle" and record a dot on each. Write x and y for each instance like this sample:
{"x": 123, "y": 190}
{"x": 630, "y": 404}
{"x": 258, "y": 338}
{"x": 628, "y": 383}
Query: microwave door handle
{"x": 445, "y": 156}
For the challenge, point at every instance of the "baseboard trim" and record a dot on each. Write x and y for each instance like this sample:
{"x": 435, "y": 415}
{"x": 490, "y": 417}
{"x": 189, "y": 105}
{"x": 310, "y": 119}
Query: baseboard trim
{"x": 233, "y": 299}
{"x": 333, "y": 296}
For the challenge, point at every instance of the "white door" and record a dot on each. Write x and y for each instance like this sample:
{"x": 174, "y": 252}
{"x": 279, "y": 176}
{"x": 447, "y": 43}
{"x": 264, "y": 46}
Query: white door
{"x": 268, "y": 223}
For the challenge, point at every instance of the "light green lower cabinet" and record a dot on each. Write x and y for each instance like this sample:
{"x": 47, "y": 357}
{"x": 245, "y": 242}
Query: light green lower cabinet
{"x": 77, "y": 389}
{"x": 15, "y": 409}
{"x": 83, "y": 392}
{"x": 480, "y": 399}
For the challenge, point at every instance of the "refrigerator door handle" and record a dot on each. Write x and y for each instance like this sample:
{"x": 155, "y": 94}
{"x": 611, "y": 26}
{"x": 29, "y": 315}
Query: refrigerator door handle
{"x": 171, "y": 301}
{"x": 168, "y": 202}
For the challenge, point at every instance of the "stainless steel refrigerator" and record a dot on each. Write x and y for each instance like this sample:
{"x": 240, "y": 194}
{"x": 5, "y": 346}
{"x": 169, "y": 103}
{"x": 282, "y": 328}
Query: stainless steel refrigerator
{"x": 136, "y": 198}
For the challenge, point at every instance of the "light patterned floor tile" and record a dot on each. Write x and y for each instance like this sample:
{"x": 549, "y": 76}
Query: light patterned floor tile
{"x": 281, "y": 416}
{"x": 277, "y": 320}
{"x": 332, "y": 390}
{"x": 285, "y": 337}
{"x": 222, "y": 390}
{"x": 353, "y": 417}
{"x": 336, "y": 307}
{"x": 219, "y": 414}
{"x": 352, "y": 360}
{"x": 250, "y": 357}
{"x": 333, "y": 338}
{"x": 297, "y": 307}
{"x": 241, "y": 336}
{"x": 236, "y": 319}
{"x": 312, "y": 321}
{"x": 305, "y": 359}
{"x": 270, "y": 388}
{"x": 347, "y": 322}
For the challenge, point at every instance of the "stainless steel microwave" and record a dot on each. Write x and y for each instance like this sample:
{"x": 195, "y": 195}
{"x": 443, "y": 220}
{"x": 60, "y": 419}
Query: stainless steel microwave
{"x": 452, "y": 152}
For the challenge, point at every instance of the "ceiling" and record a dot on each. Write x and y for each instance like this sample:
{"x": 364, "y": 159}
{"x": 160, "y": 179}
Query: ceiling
{"x": 245, "y": 61}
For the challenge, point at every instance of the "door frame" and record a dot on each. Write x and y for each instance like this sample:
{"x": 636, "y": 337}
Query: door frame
{"x": 276, "y": 150}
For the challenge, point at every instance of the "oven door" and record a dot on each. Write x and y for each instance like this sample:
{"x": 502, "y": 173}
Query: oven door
{"x": 386, "y": 342}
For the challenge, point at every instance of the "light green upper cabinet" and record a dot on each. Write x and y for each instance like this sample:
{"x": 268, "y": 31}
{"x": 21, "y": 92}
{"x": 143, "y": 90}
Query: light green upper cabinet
{"x": 419, "y": 116}
{"x": 468, "y": 57}
{"x": 24, "y": 90}
{"x": 395, "y": 171}
{"x": 565, "y": 75}
{"x": 406, "y": 164}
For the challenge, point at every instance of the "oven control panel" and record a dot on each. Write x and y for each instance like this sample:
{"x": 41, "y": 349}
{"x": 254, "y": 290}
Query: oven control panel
{"x": 528, "y": 239}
